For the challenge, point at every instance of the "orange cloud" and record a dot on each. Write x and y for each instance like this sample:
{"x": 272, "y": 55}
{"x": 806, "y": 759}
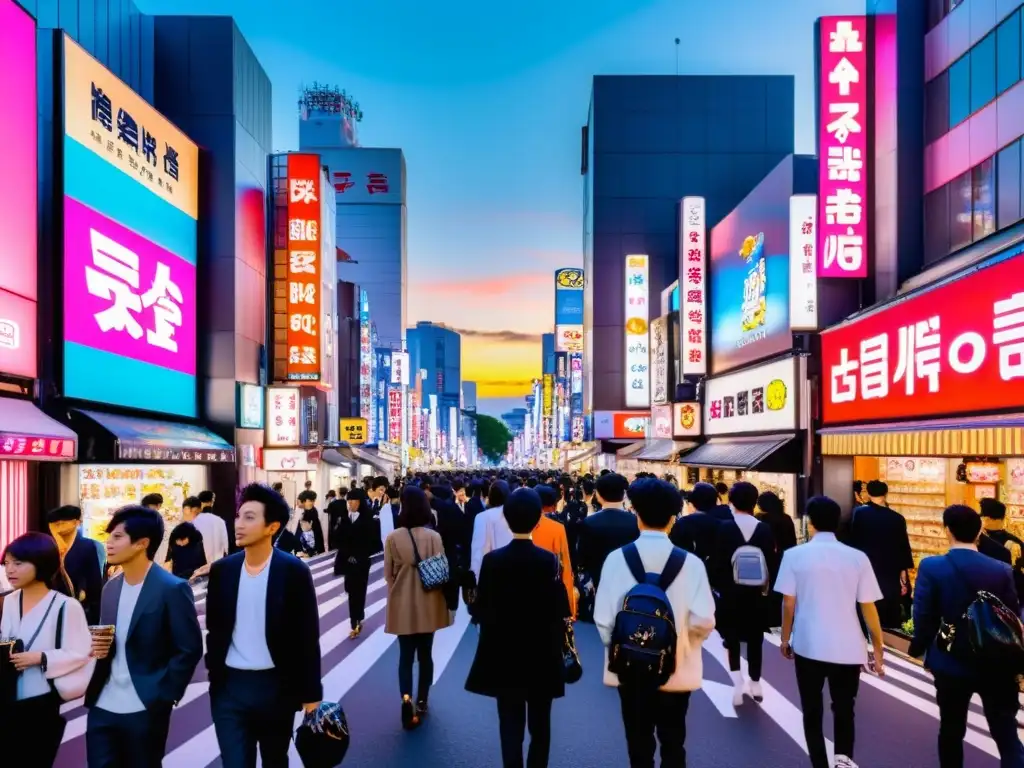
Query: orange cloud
{"x": 500, "y": 368}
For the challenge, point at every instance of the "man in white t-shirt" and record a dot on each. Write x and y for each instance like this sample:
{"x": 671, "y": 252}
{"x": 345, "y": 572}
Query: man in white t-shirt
{"x": 490, "y": 529}
{"x": 210, "y": 526}
{"x": 822, "y": 583}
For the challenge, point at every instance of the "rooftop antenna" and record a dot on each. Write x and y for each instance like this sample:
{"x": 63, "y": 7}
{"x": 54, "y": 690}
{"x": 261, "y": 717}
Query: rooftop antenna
{"x": 677, "y": 57}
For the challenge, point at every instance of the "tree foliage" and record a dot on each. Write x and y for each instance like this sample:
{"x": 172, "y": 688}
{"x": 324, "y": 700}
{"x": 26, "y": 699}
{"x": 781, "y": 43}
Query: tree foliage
{"x": 492, "y": 436}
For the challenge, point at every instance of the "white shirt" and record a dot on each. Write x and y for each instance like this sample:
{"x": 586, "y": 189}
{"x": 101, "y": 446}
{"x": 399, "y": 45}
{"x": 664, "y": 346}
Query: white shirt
{"x": 248, "y": 648}
{"x": 387, "y": 520}
{"x": 747, "y": 524}
{"x": 74, "y": 647}
{"x": 119, "y": 695}
{"x": 693, "y": 606}
{"x": 828, "y": 580}
{"x": 490, "y": 532}
{"x": 215, "y": 536}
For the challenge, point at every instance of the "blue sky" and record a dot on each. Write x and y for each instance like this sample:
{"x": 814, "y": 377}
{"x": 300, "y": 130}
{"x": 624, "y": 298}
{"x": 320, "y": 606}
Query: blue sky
{"x": 487, "y": 103}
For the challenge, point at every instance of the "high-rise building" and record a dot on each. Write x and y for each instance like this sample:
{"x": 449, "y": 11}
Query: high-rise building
{"x": 547, "y": 353}
{"x": 469, "y": 408}
{"x": 435, "y": 352}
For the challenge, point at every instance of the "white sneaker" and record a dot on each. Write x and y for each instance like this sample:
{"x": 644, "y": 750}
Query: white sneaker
{"x": 754, "y": 689}
{"x": 842, "y": 761}
{"x": 739, "y": 688}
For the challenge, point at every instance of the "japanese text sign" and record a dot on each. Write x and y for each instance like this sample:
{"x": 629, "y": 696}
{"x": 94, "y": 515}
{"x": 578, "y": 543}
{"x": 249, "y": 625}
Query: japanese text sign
{"x": 659, "y": 361}
{"x": 568, "y": 338}
{"x": 661, "y": 421}
{"x": 282, "y": 422}
{"x": 692, "y": 287}
{"x": 686, "y": 419}
{"x": 106, "y": 116}
{"x": 549, "y": 394}
{"x": 761, "y": 399}
{"x": 400, "y": 368}
{"x": 803, "y": 277}
{"x": 304, "y": 267}
{"x": 36, "y": 448}
{"x": 394, "y": 414}
{"x": 931, "y": 354}
{"x": 637, "y": 333}
{"x": 353, "y": 430}
{"x": 843, "y": 147}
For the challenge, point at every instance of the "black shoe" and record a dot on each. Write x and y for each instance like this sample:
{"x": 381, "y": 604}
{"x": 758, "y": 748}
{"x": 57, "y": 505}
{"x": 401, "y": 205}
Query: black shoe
{"x": 410, "y": 717}
{"x": 421, "y": 708}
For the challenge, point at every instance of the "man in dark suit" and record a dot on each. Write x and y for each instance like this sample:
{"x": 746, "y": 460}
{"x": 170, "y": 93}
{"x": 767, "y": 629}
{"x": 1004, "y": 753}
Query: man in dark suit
{"x": 696, "y": 531}
{"x": 456, "y": 532}
{"x": 522, "y": 608}
{"x": 144, "y": 668}
{"x": 610, "y": 529}
{"x": 475, "y": 502}
{"x": 263, "y": 645}
{"x": 881, "y": 534}
{"x": 80, "y": 557}
{"x": 946, "y": 586}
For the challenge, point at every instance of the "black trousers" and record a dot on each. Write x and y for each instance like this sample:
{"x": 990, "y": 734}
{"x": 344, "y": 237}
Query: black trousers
{"x": 248, "y": 713}
{"x": 843, "y": 684}
{"x": 646, "y": 715}
{"x": 357, "y": 579}
{"x": 514, "y": 715}
{"x": 1000, "y": 702}
{"x": 38, "y": 720}
{"x": 755, "y": 656}
{"x": 135, "y": 740}
{"x": 421, "y": 647}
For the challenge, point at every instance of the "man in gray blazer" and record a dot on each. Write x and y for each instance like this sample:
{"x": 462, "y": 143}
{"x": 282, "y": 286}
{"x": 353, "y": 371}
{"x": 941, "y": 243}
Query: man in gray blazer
{"x": 147, "y": 663}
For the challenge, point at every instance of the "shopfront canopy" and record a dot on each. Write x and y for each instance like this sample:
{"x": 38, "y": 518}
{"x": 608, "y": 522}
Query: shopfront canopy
{"x": 359, "y": 455}
{"x": 629, "y": 450}
{"x": 1001, "y": 435}
{"x": 28, "y": 433}
{"x": 662, "y": 449}
{"x": 109, "y": 437}
{"x": 771, "y": 453}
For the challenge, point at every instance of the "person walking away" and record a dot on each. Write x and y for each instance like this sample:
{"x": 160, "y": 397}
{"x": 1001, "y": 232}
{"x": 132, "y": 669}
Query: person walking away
{"x": 490, "y": 528}
{"x": 212, "y": 530}
{"x": 993, "y": 522}
{"x": 822, "y": 583}
{"x": 81, "y": 565}
{"x": 357, "y": 543}
{"x": 651, "y": 710}
{"x": 186, "y": 556}
{"x": 148, "y": 662}
{"x": 608, "y": 530}
{"x": 740, "y": 575}
{"x": 522, "y": 610}
{"x": 337, "y": 512}
{"x": 550, "y": 535}
{"x": 722, "y": 510}
{"x": 263, "y": 645}
{"x": 413, "y": 613}
{"x": 697, "y": 530}
{"x": 208, "y": 501}
{"x": 53, "y": 630}
{"x": 946, "y": 586}
{"x": 881, "y": 534}
{"x": 771, "y": 512}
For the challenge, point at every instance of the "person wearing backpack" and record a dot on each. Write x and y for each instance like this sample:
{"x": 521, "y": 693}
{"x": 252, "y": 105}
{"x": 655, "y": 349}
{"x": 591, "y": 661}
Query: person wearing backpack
{"x": 741, "y": 577}
{"x": 654, "y": 609}
{"x": 948, "y": 587}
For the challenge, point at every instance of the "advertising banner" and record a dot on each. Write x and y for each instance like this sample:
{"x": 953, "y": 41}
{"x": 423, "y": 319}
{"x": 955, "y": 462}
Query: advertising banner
{"x": 750, "y": 274}
{"x": 282, "y": 424}
{"x": 352, "y": 430}
{"x": 568, "y": 338}
{"x": 577, "y": 429}
{"x": 761, "y": 399}
{"x": 576, "y": 374}
{"x": 843, "y": 147}
{"x": 926, "y": 355}
{"x": 17, "y": 335}
{"x": 686, "y": 420}
{"x": 368, "y": 175}
{"x": 290, "y": 460}
{"x": 661, "y": 421}
{"x": 250, "y": 406}
{"x": 659, "y": 361}
{"x": 549, "y": 394}
{"x": 304, "y": 282}
{"x": 691, "y": 293}
{"x": 365, "y": 359}
{"x": 394, "y": 415}
{"x": 400, "y": 368}
{"x": 803, "y": 268}
{"x": 637, "y": 333}
{"x": 621, "y": 425}
{"x": 569, "y": 297}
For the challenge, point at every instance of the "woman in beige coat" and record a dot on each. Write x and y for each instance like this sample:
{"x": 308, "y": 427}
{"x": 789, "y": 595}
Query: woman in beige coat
{"x": 413, "y": 613}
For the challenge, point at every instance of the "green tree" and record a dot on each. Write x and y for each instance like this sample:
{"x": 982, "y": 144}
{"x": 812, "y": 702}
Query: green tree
{"x": 492, "y": 436}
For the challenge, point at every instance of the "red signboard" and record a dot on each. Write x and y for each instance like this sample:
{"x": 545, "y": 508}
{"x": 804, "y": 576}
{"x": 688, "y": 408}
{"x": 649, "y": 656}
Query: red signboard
{"x": 39, "y": 448}
{"x": 394, "y": 414}
{"x": 304, "y": 267}
{"x": 955, "y": 349}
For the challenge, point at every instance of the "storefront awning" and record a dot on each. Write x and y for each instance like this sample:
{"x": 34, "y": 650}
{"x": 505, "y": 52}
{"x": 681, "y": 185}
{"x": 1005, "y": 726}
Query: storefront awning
{"x": 575, "y": 456}
{"x": 361, "y": 455}
{"x": 662, "y": 449}
{"x": 630, "y": 450}
{"x": 739, "y": 452}
{"x": 28, "y": 433}
{"x": 106, "y": 436}
{"x": 1001, "y": 435}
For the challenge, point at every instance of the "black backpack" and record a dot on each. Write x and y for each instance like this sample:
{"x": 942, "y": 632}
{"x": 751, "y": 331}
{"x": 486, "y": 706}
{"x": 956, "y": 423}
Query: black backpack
{"x": 643, "y": 647}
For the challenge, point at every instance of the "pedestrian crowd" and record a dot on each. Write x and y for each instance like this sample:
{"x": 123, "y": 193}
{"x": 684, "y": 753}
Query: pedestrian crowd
{"x": 529, "y": 554}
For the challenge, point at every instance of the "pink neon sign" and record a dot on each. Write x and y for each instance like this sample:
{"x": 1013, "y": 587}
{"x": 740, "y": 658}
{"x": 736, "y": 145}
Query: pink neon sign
{"x": 843, "y": 199}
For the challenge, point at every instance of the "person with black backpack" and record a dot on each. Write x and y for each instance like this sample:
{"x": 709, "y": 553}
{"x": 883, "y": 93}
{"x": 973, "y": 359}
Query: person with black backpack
{"x": 741, "y": 578}
{"x": 654, "y": 609}
{"x": 967, "y": 626}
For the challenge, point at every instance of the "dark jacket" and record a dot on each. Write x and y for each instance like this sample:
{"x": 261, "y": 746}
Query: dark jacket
{"x": 881, "y": 534}
{"x": 292, "y": 627}
{"x": 601, "y": 534}
{"x": 723, "y": 513}
{"x": 992, "y": 548}
{"x": 337, "y": 512}
{"x": 741, "y": 612}
{"x": 359, "y": 539}
{"x": 164, "y": 643}
{"x": 696, "y": 533}
{"x": 82, "y": 564}
{"x": 946, "y": 585}
{"x": 521, "y": 607}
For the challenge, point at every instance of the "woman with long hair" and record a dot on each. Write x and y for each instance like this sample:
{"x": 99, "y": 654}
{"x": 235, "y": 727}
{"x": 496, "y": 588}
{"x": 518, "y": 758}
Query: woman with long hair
{"x": 771, "y": 512}
{"x": 413, "y": 613}
{"x": 51, "y": 634}
{"x": 357, "y": 542}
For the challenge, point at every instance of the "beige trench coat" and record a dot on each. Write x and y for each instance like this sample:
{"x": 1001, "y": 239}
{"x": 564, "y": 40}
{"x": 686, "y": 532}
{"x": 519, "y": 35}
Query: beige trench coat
{"x": 411, "y": 609}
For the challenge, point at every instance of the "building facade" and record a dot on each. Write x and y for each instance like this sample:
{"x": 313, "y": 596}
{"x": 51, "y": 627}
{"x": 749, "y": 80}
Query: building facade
{"x": 435, "y": 352}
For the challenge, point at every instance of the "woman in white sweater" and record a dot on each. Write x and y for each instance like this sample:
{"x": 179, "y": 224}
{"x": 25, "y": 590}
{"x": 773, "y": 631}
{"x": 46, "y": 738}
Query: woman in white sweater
{"x": 34, "y": 614}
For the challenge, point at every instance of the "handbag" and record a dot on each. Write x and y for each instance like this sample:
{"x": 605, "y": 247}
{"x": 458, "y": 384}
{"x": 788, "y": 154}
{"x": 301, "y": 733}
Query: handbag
{"x": 322, "y": 739}
{"x": 433, "y": 571}
{"x": 571, "y": 665}
{"x": 72, "y": 685}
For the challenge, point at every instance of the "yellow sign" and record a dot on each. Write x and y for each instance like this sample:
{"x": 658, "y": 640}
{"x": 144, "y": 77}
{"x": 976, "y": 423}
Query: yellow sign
{"x": 106, "y": 116}
{"x": 569, "y": 279}
{"x": 353, "y": 431}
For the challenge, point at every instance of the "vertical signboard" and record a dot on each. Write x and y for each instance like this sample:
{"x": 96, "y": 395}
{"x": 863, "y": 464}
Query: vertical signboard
{"x": 569, "y": 296}
{"x": 282, "y": 422}
{"x": 365, "y": 360}
{"x": 843, "y": 147}
{"x": 549, "y": 395}
{"x": 637, "y": 333}
{"x": 659, "y": 361}
{"x": 803, "y": 267}
{"x": 692, "y": 287}
{"x": 304, "y": 332}
{"x": 394, "y": 414}
{"x": 400, "y": 368}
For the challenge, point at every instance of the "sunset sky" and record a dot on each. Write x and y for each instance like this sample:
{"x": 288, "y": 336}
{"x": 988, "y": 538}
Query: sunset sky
{"x": 487, "y": 101}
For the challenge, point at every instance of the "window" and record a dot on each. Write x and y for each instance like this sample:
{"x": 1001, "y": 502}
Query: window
{"x": 983, "y": 187}
{"x": 936, "y": 12}
{"x": 960, "y": 91}
{"x": 936, "y": 224}
{"x": 1008, "y": 179}
{"x": 961, "y": 228}
{"x": 936, "y": 107}
{"x": 1008, "y": 53}
{"x": 983, "y": 72}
